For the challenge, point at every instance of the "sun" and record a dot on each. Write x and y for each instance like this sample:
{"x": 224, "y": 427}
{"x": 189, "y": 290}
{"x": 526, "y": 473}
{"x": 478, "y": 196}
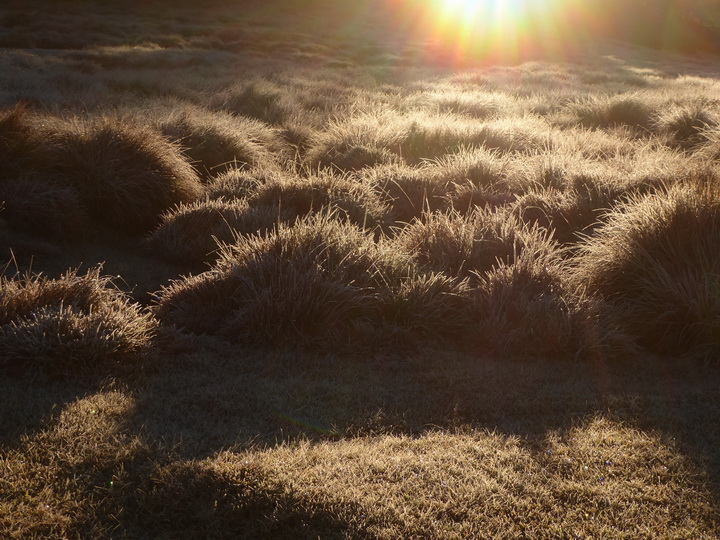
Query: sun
{"x": 493, "y": 28}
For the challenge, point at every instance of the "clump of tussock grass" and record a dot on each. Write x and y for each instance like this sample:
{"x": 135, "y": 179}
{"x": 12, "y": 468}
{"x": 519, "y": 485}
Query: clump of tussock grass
{"x": 569, "y": 214}
{"x": 239, "y": 184}
{"x": 309, "y": 283}
{"x": 259, "y": 98}
{"x": 217, "y": 141}
{"x": 476, "y": 166}
{"x": 127, "y": 174}
{"x": 294, "y": 196}
{"x": 460, "y": 245}
{"x": 427, "y": 307}
{"x": 685, "y": 125}
{"x": 68, "y": 324}
{"x": 525, "y": 309}
{"x": 418, "y": 135}
{"x": 354, "y": 157}
{"x": 634, "y": 111}
{"x": 478, "y": 179}
{"x": 408, "y": 191}
{"x": 655, "y": 263}
{"x": 190, "y": 233}
{"x": 710, "y": 149}
{"x": 45, "y": 208}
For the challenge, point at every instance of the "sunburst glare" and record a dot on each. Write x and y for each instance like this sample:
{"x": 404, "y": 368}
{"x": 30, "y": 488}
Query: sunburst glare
{"x": 489, "y": 29}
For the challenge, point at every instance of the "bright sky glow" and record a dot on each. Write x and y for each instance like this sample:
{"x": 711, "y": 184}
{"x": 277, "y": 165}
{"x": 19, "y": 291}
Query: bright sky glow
{"x": 490, "y": 29}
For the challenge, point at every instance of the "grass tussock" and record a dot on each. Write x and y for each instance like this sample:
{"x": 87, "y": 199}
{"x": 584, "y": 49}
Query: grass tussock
{"x": 127, "y": 175}
{"x": 475, "y": 243}
{"x": 191, "y": 233}
{"x": 294, "y": 197}
{"x": 68, "y": 325}
{"x": 216, "y": 141}
{"x": 22, "y": 147}
{"x": 45, "y": 208}
{"x": 309, "y": 282}
{"x": 409, "y": 192}
{"x": 654, "y": 263}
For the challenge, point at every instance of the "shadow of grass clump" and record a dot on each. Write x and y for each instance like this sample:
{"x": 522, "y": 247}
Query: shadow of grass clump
{"x": 71, "y": 324}
{"x": 213, "y": 499}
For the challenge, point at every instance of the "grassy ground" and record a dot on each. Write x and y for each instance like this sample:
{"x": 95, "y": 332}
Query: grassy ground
{"x": 352, "y": 284}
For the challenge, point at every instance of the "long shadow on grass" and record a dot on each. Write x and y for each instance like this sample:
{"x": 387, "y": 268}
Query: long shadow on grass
{"x": 209, "y": 395}
{"x": 30, "y": 402}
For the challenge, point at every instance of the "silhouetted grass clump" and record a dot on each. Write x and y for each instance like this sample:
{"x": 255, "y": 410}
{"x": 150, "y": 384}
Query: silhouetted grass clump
{"x": 127, "y": 174}
{"x": 478, "y": 242}
{"x": 43, "y": 207}
{"x": 190, "y": 234}
{"x": 656, "y": 263}
{"x": 427, "y": 307}
{"x": 67, "y": 325}
{"x": 295, "y": 196}
{"x": 526, "y": 309}
{"x": 409, "y": 192}
{"x": 218, "y": 141}
{"x": 22, "y": 147}
{"x": 309, "y": 283}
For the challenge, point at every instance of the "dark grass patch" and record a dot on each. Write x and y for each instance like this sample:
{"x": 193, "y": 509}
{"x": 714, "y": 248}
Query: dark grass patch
{"x": 22, "y": 147}
{"x": 127, "y": 174}
{"x": 310, "y": 283}
{"x": 43, "y": 207}
{"x": 190, "y": 234}
{"x": 526, "y": 310}
{"x": 478, "y": 242}
{"x": 409, "y": 192}
{"x": 656, "y": 263}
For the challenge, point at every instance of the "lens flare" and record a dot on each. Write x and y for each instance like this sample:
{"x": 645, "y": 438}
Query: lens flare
{"x": 469, "y": 30}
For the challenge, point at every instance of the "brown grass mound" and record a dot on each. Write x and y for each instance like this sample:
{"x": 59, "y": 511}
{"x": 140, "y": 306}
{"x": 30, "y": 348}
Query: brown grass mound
{"x": 425, "y": 307}
{"x": 44, "y": 208}
{"x": 526, "y": 309}
{"x": 67, "y": 324}
{"x": 408, "y": 191}
{"x": 310, "y": 283}
{"x": 127, "y": 175}
{"x": 295, "y": 197}
{"x": 190, "y": 233}
{"x": 22, "y": 147}
{"x": 656, "y": 263}
{"x": 478, "y": 242}
{"x": 239, "y": 184}
{"x": 218, "y": 141}
{"x": 685, "y": 125}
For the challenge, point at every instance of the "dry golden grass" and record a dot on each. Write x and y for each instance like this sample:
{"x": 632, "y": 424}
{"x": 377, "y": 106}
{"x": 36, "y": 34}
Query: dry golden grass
{"x": 420, "y": 300}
